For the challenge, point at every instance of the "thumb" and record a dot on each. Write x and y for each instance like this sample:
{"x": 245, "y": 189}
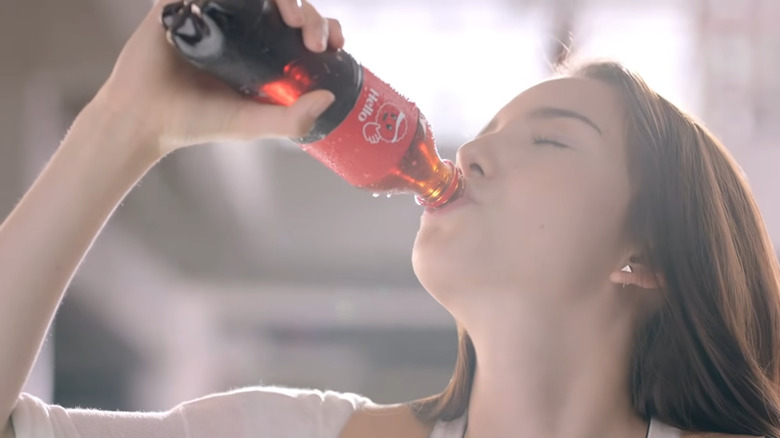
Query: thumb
{"x": 296, "y": 120}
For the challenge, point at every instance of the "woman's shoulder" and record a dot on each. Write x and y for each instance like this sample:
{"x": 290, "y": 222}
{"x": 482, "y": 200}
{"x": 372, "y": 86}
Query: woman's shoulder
{"x": 280, "y": 399}
{"x": 337, "y": 414}
{"x": 295, "y": 411}
{"x": 247, "y": 412}
{"x": 385, "y": 421}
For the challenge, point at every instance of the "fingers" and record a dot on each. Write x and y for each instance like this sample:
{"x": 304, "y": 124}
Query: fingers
{"x": 318, "y": 32}
{"x": 292, "y": 12}
{"x": 256, "y": 120}
{"x": 335, "y": 34}
{"x": 315, "y": 29}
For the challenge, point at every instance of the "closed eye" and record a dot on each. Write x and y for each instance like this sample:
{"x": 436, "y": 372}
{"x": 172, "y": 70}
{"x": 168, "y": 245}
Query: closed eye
{"x": 544, "y": 140}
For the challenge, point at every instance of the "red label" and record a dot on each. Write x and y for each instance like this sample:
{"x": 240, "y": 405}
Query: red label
{"x": 370, "y": 142}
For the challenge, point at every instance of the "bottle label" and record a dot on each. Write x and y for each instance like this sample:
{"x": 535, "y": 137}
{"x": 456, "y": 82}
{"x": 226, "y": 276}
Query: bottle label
{"x": 371, "y": 141}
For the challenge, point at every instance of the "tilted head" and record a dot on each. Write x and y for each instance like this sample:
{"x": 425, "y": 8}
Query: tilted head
{"x": 559, "y": 205}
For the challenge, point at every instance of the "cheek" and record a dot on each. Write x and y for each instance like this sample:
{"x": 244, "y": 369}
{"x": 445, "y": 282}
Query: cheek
{"x": 566, "y": 222}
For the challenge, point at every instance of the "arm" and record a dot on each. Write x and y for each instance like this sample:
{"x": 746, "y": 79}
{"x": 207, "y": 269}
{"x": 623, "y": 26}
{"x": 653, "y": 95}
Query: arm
{"x": 47, "y": 235}
{"x": 142, "y": 112}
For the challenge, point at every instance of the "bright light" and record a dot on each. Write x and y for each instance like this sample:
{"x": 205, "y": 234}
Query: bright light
{"x": 655, "y": 41}
{"x": 460, "y": 64}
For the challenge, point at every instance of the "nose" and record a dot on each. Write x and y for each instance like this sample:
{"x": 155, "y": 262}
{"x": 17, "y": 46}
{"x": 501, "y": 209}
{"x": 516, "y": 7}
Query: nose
{"x": 473, "y": 160}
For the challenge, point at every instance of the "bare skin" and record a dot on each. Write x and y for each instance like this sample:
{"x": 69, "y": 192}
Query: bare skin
{"x": 531, "y": 267}
{"x": 141, "y": 113}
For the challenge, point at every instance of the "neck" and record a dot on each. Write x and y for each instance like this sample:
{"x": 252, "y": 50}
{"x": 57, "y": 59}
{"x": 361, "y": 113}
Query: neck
{"x": 554, "y": 374}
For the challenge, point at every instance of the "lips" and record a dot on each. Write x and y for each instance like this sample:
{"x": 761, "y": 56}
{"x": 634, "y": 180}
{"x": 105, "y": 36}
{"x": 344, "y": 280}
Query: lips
{"x": 462, "y": 200}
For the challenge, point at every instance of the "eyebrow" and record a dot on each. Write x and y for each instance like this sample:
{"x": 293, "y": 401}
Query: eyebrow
{"x": 547, "y": 112}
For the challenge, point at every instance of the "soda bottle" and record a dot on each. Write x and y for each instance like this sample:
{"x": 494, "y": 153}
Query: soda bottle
{"x": 371, "y": 136}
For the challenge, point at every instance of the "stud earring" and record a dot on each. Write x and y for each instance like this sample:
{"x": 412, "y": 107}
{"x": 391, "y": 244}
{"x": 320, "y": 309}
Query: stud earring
{"x": 628, "y": 269}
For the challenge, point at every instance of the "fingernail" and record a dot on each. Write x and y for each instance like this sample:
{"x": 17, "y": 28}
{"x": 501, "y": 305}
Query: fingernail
{"x": 321, "y": 105}
{"x": 299, "y": 11}
{"x": 324, "y": 41}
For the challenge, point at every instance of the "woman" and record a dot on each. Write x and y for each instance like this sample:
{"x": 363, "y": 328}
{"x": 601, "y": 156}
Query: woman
{"x": 609, "y": 271}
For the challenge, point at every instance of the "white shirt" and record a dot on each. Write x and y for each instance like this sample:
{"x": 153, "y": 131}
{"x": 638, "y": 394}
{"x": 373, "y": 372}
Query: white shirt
{"x": 262, "y": 412}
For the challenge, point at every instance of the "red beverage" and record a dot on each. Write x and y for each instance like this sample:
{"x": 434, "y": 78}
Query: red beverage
{"x": 371, "y": 135}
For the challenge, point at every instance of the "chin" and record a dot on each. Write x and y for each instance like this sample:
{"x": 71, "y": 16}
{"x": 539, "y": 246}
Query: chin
{"x": 443, "y": 266}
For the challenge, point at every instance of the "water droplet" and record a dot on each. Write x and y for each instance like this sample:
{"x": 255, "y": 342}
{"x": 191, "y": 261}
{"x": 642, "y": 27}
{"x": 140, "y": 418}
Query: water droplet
{"x": 376, "y": 195}
{"x": 389, "y": 195}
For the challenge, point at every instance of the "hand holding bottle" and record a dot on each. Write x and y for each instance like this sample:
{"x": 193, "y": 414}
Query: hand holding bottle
{"x": 372, "y": 136}
{"x": 152, "y": 103}
{"x": 179, "y": 105}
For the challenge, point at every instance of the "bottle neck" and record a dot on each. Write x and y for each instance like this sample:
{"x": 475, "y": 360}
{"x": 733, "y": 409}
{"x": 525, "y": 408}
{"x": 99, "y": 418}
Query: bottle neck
{"x": 452, "y": 188}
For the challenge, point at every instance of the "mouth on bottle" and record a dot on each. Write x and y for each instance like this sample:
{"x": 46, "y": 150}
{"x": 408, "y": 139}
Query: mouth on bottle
{"x": 452, "y": 191}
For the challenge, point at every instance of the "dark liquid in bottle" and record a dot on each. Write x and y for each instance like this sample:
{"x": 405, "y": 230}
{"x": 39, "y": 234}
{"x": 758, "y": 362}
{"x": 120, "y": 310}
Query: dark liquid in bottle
{"x": 371, "y": 136}
{"x": 422, "y": 171}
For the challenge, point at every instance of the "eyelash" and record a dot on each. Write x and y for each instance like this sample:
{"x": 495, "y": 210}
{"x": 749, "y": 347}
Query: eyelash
{"x": 545, "y": 140}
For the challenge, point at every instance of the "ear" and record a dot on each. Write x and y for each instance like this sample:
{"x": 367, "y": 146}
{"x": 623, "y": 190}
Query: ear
{"x": 638, "y": 274}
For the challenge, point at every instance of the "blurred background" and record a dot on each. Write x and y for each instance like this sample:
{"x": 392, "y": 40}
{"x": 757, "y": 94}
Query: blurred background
{"x": 234, "y": 264}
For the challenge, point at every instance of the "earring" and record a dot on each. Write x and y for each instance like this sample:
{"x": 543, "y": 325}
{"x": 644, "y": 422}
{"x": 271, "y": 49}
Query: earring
{"x": 628, "y": 269}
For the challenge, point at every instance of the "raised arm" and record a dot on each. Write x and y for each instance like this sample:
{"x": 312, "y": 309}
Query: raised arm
{"x": 143, "y": 111}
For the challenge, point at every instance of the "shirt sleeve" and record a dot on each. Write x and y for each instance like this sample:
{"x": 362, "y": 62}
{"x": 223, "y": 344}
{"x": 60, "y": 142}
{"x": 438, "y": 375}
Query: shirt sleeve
{"x": 259, "y": 412}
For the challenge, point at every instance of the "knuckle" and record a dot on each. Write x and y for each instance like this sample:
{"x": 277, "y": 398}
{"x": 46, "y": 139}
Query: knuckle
{"x": 301, "y": 129}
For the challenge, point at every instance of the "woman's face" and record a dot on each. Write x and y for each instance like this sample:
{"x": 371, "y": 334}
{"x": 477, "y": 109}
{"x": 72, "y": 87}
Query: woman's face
{"x": 546, "y": 200}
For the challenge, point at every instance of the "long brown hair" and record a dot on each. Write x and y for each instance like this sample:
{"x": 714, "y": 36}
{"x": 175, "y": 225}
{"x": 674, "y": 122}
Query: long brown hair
{"x": 709, "y": 359}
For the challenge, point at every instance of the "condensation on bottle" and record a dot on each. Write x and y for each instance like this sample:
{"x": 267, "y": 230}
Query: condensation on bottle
{"x": 371, "y": 136}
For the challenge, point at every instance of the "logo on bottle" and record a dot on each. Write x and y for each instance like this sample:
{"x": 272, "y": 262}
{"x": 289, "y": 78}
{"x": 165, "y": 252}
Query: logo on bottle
{"x": 368, "y": 107}
{"x": 389, "y": 125}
